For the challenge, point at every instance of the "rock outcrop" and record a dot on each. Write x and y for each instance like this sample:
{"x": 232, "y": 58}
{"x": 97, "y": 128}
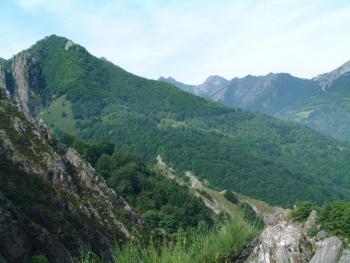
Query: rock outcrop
{"x": 52, "y": 203}
{"x": 328, "y": 251}
{"x": 287, "y": 241}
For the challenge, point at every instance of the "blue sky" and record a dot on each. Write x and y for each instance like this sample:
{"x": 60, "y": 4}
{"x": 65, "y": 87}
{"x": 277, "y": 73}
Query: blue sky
{"x": 190, "y": 40}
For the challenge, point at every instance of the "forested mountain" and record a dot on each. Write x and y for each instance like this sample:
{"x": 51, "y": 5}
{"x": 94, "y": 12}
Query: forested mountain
{"x": 267, "y": 94}
{"x": 2, "y": 61}
{"x": 260, "y": 156}
{"x": 54, "y": 205}
{"x": 321, "y": 103}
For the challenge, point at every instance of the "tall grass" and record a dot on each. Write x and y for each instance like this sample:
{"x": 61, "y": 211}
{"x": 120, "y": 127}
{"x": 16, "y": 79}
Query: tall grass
{"x": 217, "y": 244}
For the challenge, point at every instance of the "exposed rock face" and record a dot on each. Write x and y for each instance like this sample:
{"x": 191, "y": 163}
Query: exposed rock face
{"x": 284, "y": 242}
{"x": 68, "y": 45}
{"x": 328, "y": 251}
{"x": 287, "y": 241}
{"x": 211, "y": 86}
{"x": 345, "y": 256}
{"x": 327, "y": 79}
{"x": 52, "y": 202}
{"x": 23, "y": 83}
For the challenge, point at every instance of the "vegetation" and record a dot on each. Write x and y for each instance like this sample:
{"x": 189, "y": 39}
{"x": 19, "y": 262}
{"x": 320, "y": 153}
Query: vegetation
{"x": 328, "y": 112}
{"x": 221, "y": 243}
{"x": 333, "y": 216}
{"x": 230, "y": 196}
{"x": 229, "y": 147}
{"x": 251, "y": 217}
{"x": 162, "y": 203}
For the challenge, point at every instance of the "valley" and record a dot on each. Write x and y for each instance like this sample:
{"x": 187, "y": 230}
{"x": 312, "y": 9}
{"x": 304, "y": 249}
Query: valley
{"x": 100, "y": 164}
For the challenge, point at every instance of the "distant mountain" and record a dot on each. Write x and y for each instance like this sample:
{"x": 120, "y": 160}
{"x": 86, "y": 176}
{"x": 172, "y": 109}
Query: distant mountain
{"x": 2, "y": 60}
{"x": 251, "y": 153}
{"x": 327, "y": 112}
{"x": 185, "y": 87}
{"x": 326, "y": 80}
{"x": 266, "y": 94}
{"x": 321, "y": 103}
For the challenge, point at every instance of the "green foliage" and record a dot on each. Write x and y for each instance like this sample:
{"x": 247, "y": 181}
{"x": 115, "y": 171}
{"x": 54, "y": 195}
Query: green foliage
{"x": 162, "y": 203}
{"x": 229, "y": 147}
{"x": 230, "y": 196}
{"x": 251, "y": 217}
{"x": 328, "y": 112}
{"x": 333, "y": 216}
{"x": 303, "y": 210}
{"x": 39, "y": 259}
{"x": 218, "y": 244}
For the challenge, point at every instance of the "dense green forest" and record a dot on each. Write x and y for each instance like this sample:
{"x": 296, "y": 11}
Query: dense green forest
{"x": 233, "y": 149}
{"x": 163, "y": 204}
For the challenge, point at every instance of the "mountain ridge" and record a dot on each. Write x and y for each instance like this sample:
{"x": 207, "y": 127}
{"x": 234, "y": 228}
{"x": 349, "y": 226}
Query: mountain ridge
{"x": 295, "y": 99}
{"x": 231, "y": 148}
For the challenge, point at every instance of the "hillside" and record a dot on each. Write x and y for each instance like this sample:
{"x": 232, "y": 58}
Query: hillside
{"x": 2, "y": 61}
{"x": 328, "y": 112}
{"x": 55, "y": 205}
{"x": 231, "y": 148}
{"x": 52, "y": 202}
{"x": 268, "y": 94}
{"x": 321, "y": 103}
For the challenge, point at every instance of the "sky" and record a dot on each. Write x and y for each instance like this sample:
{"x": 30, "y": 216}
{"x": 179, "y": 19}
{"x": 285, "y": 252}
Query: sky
{"x": 190, "y": 40}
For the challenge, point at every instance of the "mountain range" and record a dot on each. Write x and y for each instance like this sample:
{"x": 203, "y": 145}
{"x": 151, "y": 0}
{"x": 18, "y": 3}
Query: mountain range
{"x": 320, "y": 103}
{"x": 93, "y": 157}
{"x": 58, "y": 82}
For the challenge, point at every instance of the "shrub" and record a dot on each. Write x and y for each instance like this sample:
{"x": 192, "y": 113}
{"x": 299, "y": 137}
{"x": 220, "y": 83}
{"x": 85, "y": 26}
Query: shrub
{"x": 230, "y": 196}
{"x": 303, "y": 210}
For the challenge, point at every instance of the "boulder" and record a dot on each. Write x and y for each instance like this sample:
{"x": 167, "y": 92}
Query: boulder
{"x": 328, "y": 251}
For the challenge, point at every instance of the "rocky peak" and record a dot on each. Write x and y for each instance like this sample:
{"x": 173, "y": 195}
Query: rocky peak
{"x": 215, "y": 80}
{"x": 211, "y": 85}
{"x": 326, "y": 79}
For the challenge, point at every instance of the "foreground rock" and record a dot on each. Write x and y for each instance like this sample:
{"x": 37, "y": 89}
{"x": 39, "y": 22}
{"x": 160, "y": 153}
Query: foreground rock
{"x": 283, "y": 242}
{"x": 287, "y": 241}
{"x": 328, "y": 251}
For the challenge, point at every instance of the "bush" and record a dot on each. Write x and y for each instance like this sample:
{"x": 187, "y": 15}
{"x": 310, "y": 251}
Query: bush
{"x": 303, "y": 210}
{"x": 39, "y": 259}
{"x": 230, "y": 196}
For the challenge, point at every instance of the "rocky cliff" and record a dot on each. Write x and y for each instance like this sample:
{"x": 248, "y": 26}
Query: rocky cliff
{"x": 52, "y": 202}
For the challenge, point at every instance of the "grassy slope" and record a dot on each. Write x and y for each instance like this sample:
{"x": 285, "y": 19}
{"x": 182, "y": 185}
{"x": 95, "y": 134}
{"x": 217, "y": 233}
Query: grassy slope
{"x": 230, "y": 148}
{"x": 222, "y": 243}
{"x": 60, "y": 114}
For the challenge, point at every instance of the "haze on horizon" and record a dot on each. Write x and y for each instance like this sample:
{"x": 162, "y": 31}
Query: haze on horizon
{"x": 190, "y": 40}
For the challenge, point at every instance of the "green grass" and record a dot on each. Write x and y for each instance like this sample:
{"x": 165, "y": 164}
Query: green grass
{"x": 59, "y": 114}
{"x": 219, "y": 244}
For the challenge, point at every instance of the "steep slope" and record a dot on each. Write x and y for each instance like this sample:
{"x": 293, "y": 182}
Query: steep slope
{"x": 2, "y": 61}
{"x": 327, "y": 112}
{"x": 321, "y": 103}
{"x": 93, "y": 99}
{"x": 326, "y": 80}
{"x": 52, "y": 202}
{"x": 185, "y": 87}
{"x": 267, "y": 94}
